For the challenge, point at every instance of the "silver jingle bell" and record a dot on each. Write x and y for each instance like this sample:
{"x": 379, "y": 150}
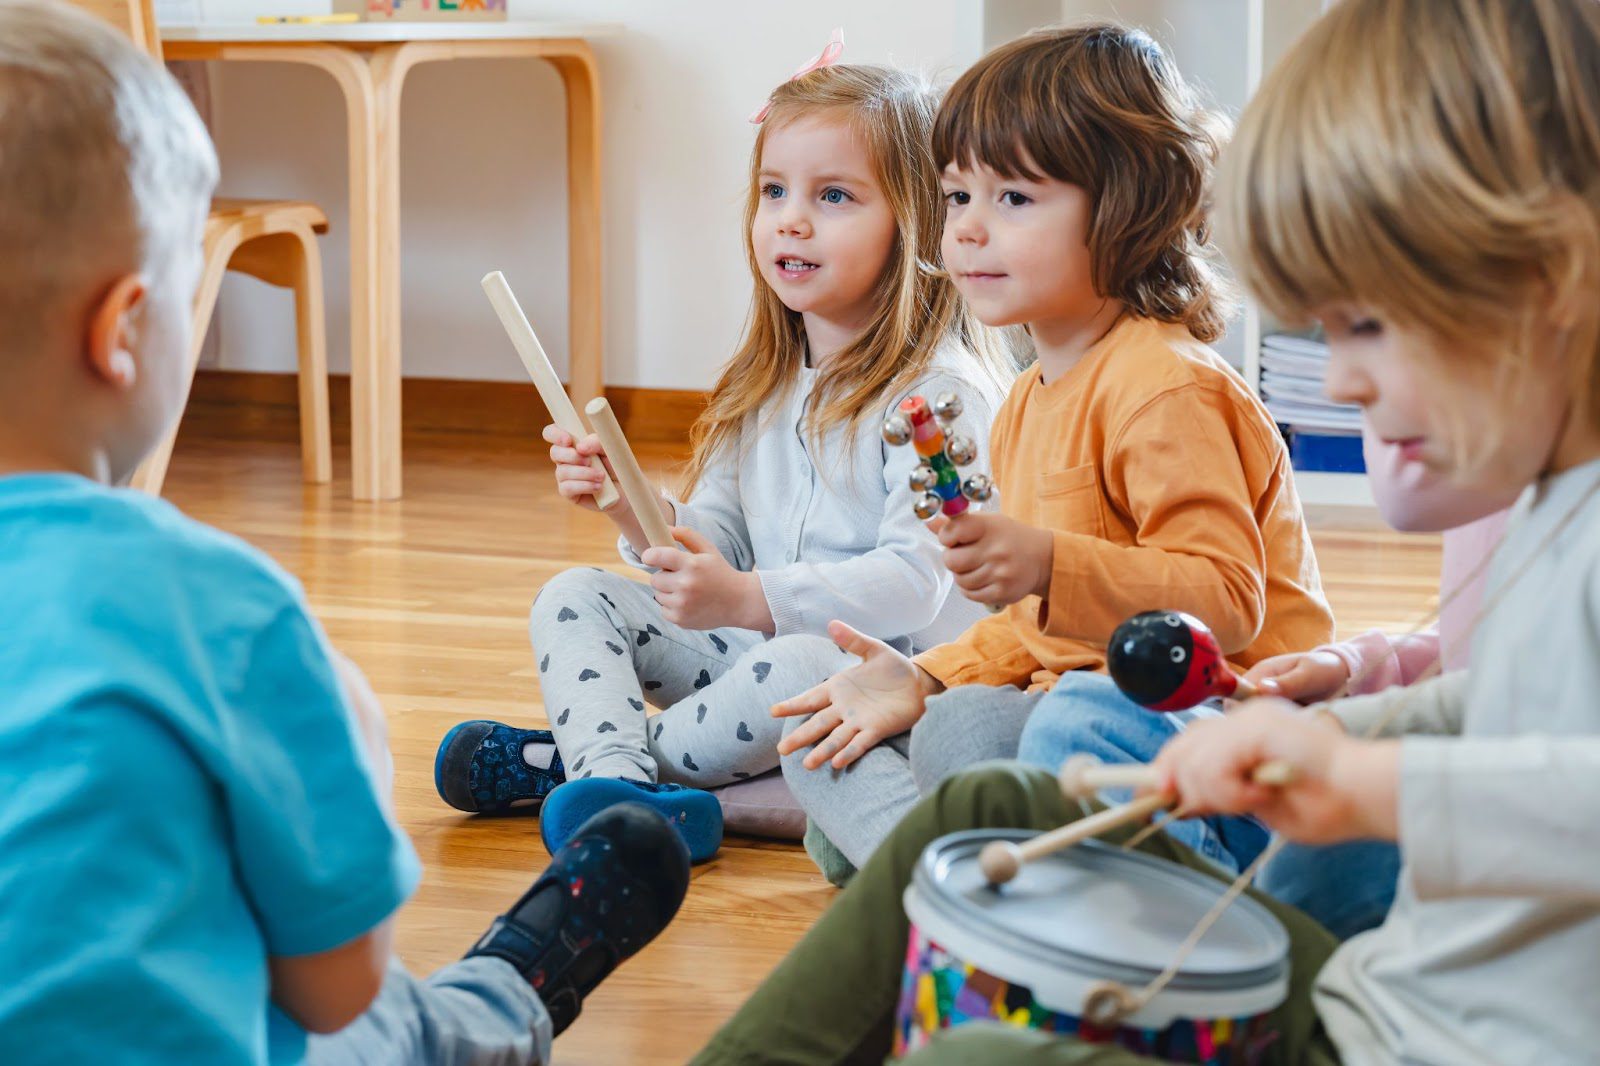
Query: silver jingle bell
{"x": 961, "y": 448}
{"x": 923, "y": 478}
{"x": 897, "y": 430}
{"x": 979, "y": 488}
{"x": 947, "y": 408}
{"x": 927, "y": 506}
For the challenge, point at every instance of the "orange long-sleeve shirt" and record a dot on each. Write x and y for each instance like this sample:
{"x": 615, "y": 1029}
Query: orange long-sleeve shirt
{"x": 1166, "y": 485}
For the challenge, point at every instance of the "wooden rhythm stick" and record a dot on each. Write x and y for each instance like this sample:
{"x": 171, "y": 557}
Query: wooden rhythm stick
{"x": 1083, "y": 775}
{"x": 1002, "y": 860}
{"x": 641, "y": 497}
{"x": 543, "y": 374}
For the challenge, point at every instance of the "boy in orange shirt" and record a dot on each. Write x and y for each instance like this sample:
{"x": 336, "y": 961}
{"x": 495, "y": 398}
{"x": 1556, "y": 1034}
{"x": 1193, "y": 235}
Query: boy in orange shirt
{"x": 1136, "y": 469}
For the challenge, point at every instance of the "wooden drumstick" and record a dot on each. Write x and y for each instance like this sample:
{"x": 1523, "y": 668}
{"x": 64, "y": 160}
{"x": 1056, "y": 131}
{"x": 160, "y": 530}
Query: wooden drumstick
{"x": 1002, "y": 860}
{"x": 543, "y": 374}
{"x": 1084, "y": 775}
{"x": 641, "y": 497}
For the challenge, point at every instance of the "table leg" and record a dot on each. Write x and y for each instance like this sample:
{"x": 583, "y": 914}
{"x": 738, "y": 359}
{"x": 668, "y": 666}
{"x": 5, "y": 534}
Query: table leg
{"x": 375, "y": 274}
{"x": 580, "y": 77}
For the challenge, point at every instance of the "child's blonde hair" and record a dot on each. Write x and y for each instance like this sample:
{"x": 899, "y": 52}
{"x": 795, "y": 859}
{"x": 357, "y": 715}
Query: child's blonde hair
{"x": 103, "y": 163}
{"x": 918, "y": 309}
{"x": 1101, "y": 106}
{"x": 1439, "y": 163}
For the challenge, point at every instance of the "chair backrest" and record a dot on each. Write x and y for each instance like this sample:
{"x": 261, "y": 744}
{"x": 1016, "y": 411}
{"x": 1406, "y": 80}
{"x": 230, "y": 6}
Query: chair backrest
{"x": 136, "y": 18}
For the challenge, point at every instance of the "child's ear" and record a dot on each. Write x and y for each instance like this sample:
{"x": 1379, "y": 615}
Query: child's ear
{"x": 114, "y": 332}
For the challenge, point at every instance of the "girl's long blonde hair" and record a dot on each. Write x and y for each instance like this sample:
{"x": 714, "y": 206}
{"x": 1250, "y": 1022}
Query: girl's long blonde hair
{"x": 918, "y": 309}
{"x": 1437, "y": 161}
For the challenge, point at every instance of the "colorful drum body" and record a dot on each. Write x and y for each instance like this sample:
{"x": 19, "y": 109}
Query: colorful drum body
{"x": 1028, "y": 953}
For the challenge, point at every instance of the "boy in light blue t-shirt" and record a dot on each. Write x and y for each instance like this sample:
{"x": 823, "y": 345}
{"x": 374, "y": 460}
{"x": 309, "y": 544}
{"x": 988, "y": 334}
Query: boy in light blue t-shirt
{"x": 197, "y": 858}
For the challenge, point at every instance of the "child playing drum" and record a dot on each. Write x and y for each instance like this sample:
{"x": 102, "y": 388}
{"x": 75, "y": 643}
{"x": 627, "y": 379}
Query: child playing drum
{"x": 1420, "y": 176}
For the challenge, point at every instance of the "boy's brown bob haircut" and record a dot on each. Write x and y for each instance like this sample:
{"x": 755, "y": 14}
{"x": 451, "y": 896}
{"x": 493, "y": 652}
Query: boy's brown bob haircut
{"x": 1101, "y": 106}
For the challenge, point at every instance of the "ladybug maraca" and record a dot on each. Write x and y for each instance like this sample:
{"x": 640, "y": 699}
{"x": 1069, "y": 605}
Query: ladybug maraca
{"x": 1169, "y": 661}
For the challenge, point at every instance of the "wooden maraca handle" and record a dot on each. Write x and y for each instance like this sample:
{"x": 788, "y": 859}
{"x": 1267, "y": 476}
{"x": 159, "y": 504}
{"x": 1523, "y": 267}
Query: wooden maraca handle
{"x": 1084, "y": 775}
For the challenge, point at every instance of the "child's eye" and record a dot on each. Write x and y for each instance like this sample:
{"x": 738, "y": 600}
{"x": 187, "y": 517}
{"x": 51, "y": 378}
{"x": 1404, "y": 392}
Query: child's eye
{"x": 772, "y": 191}
{"x": 834, "y": 195}
{"x": 1366, "y": 327}
{"x": 1013, "y": 199}
{"x": 957, "y": 198}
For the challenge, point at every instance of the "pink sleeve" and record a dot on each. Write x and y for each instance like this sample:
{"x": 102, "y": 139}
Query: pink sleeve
{"x": 1377, "y": 661}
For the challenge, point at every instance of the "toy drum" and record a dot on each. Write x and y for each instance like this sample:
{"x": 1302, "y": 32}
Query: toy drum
{"x": 1029, "y": 953}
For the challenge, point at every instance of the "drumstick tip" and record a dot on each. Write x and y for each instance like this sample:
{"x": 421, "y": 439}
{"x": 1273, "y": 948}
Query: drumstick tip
{"x": 1000, "y": 861}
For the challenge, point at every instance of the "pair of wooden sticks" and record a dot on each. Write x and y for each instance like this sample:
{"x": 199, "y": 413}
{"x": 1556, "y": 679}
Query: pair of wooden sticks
{"x": 1082, "y": 776}
{"x": 635, "y": 486}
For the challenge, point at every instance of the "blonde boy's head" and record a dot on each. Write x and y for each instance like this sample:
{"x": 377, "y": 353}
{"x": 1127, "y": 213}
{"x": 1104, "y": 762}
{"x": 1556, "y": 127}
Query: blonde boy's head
{"x": 105, "y": 172}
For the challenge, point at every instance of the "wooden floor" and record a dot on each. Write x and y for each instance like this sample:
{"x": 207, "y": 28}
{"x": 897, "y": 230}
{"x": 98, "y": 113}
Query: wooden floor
{"x": 430, "y": 596}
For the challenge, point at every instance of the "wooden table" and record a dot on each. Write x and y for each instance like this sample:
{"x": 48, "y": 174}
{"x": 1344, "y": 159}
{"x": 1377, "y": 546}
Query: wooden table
{"x": 369, "y": 61}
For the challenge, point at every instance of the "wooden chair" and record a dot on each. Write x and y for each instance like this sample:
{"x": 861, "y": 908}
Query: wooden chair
{"x": 274, "y": 240}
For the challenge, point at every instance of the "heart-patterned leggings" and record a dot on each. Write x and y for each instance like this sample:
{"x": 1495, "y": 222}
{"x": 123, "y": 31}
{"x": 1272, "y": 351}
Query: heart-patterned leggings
{"x": 605, "y": 653}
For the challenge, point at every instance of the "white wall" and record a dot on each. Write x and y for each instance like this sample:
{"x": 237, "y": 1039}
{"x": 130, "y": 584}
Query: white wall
{"x": 482, "y": 180}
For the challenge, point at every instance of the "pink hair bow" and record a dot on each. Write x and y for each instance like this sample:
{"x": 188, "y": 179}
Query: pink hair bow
{"x": 825, "y": 58}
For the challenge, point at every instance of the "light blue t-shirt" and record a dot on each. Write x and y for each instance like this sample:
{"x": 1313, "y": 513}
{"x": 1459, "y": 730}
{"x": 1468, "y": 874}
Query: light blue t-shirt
{"x": 182, "y": 788}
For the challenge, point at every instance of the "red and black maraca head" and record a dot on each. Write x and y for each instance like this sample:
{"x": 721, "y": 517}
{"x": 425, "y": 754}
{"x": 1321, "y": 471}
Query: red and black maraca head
{"x": 1168, "y": 661}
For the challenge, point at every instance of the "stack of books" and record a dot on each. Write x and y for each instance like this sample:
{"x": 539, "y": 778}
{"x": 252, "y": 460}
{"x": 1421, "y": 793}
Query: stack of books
{"x": 1322, "y": 435}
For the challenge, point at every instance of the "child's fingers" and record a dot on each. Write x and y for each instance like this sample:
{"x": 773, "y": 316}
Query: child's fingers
{"x": 664, "y": 558}
{"x": 977, "y": 577}
{"x": 576, "y": 472}
{"x": 808, "y": 702}
{"x": 590, "y": 445}
{"x": 962, "y": 560}
{"x": 1290, "y": 684}
{"x": 820, "y": 725}
{"x": 851, "y": 641}
{"x": 964, "y": 528}
{"x": 864, "y": 741}
{"x": 829, "y": 745}
{"x": 554, "y": 434}
{"x": 693, "y": 540}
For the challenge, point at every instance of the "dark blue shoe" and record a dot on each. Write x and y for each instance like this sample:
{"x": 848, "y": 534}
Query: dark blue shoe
{"x": 696, "y": 815}
{"x": 606, "y": 894}
{"x": 480, "y": 767}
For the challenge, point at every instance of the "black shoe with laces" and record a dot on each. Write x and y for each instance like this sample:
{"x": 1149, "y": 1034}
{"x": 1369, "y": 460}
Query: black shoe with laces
{"x": 607, "y": 893}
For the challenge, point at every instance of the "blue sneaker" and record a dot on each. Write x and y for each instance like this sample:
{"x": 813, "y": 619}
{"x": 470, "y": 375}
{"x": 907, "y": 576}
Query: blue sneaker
{"x": 695, "y": 814}
{"x": 480, "y": 767}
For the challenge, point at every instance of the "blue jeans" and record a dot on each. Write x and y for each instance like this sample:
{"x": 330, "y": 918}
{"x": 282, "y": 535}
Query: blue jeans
{"x": 476, "y": 1012}
{"x": 1346, "y": 887}
{"x": 1086, "y": 714}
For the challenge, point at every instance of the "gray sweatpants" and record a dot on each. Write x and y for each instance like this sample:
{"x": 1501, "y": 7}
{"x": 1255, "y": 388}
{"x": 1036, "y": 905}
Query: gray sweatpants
{"x": 858, "y": 806}
{"x": 604, "y": 651}
{"x": 476, "y": 1012}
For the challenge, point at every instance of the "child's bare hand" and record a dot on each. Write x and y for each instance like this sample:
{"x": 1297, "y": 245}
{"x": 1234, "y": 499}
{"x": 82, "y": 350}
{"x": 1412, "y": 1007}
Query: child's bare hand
{"x": 855, "y": 709}
{"x": 698, "y": 589}
{"x": 1305, "y": 677}
{"x": 576, "y": 480}
{"x": 1343, "y": 789}
{"x": 995, "y": 559}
